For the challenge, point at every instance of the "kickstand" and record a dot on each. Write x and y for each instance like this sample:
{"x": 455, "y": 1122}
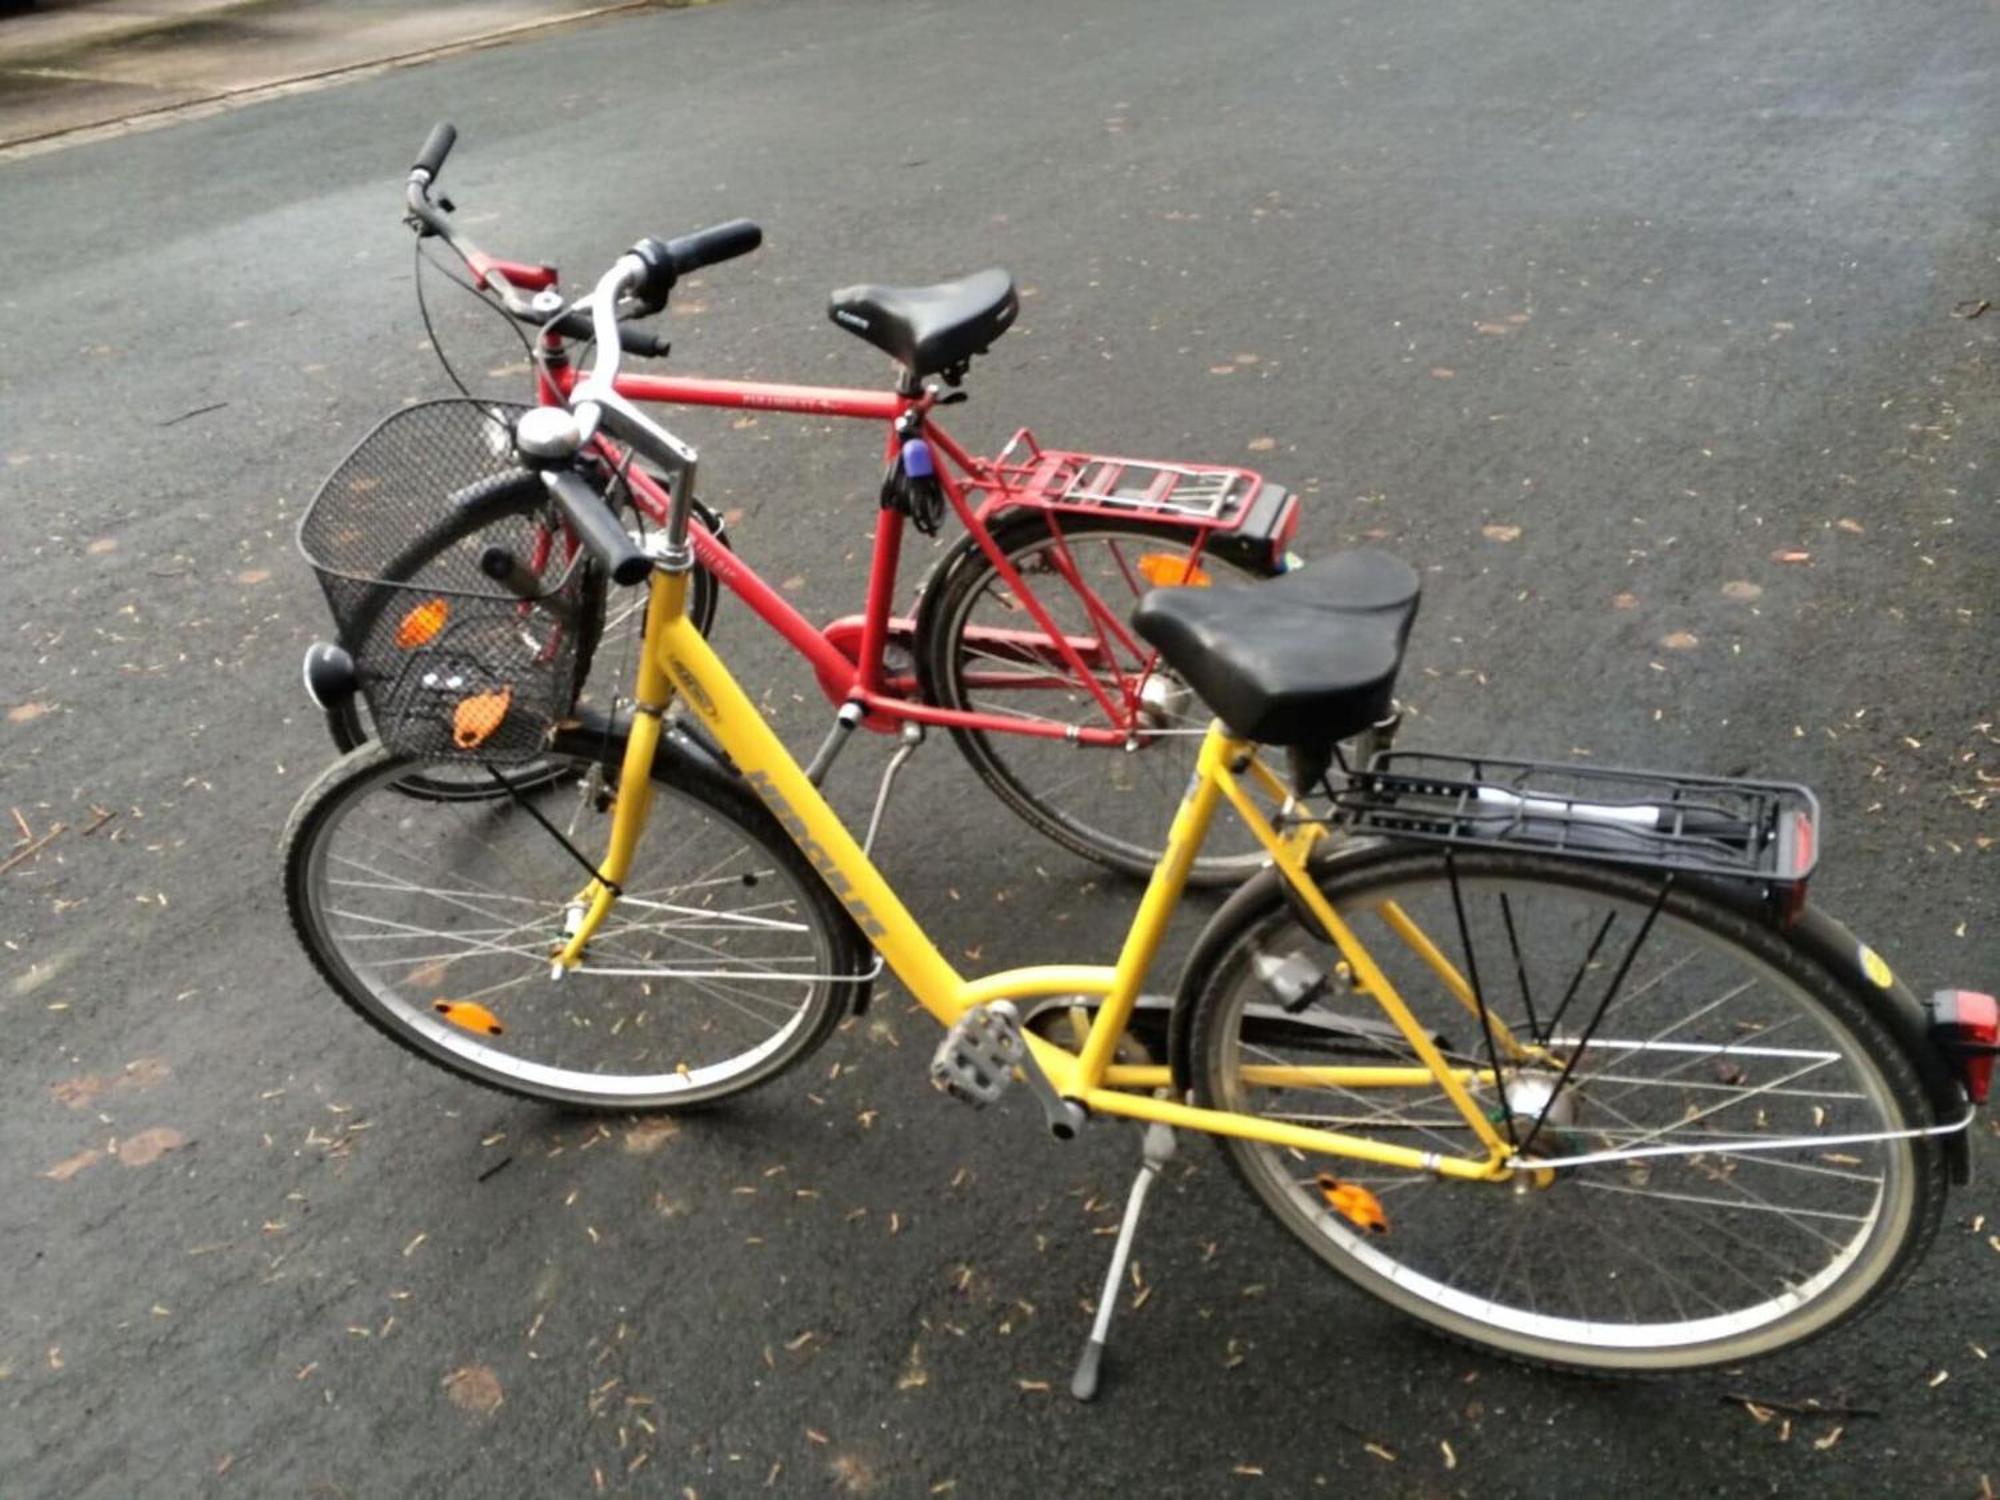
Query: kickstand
{"x": 913, "y": 736}
{"x": 1159, "y": 1150}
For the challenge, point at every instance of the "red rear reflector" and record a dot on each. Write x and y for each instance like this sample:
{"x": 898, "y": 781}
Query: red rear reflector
{"x": 1288, "y": 527}
{"x": 1965, "y": 1025}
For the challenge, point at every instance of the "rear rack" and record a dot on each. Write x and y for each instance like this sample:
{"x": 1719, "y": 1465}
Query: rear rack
{"x": 1763, "y": 831}
{"x": 1026, "y": 472}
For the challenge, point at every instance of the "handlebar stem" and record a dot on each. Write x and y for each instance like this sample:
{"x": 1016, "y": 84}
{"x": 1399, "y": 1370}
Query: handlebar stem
{"x": 596, "y": 402}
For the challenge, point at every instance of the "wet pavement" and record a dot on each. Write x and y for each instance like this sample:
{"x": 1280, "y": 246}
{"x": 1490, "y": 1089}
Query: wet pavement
{"x": 1647, "y": 333}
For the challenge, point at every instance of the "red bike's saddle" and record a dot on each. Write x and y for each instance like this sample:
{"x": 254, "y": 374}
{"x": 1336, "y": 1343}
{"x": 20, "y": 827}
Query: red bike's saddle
{"x": 1306, "y": 659}
{"x": 930, "y": 329}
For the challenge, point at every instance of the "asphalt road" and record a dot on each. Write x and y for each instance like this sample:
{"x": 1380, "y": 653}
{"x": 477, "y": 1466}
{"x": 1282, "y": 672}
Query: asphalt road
{"x": 1590, "y": 311}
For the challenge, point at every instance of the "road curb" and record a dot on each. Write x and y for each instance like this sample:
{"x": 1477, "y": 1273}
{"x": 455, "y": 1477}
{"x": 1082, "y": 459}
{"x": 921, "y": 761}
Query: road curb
{"x": 37, "y": 54}
{"x": 37, "y": 143}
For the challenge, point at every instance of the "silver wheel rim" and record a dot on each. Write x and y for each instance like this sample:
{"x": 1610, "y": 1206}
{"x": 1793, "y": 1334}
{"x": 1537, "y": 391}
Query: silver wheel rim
{"x": 684, "y": 955}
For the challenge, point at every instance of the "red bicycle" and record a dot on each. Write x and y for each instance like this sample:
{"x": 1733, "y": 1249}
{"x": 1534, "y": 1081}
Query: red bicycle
{"x": 1017, "y": 642}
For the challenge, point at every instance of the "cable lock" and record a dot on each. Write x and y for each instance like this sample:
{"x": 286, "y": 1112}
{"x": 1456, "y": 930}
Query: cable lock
{"x": 911, "y": 486}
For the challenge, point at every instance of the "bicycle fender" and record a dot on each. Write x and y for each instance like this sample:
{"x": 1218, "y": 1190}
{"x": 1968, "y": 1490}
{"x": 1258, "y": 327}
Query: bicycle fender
{"x": 1868, "y": 978}
{"x": 958, "y": 555}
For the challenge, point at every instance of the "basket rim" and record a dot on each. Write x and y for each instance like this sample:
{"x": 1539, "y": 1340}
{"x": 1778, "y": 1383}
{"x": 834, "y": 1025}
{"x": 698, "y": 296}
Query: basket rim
{"x": 507, "y": 410}
{"x": 511, "y": 409}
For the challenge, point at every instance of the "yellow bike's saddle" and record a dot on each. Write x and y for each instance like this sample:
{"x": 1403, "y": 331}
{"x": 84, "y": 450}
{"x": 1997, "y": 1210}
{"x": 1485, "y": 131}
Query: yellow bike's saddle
{"x": 1306, "y": 659}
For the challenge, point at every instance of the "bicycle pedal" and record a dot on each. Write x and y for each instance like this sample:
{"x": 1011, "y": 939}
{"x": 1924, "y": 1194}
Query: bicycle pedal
{"x": 976, "y": 1060}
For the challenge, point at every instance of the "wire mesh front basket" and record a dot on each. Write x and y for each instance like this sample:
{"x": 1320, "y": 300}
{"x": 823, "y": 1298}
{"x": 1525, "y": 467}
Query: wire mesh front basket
{"x": 452, "y": 583}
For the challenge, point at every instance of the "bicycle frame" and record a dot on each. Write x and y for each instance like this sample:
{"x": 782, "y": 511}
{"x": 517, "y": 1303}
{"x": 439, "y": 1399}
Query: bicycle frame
{"x": 848, "y": 656}
{"x": 676, "y": 659}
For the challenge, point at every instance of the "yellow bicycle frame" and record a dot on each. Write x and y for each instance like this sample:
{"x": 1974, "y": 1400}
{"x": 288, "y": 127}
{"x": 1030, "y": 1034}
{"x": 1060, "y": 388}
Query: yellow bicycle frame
{"x": 676, "y": 658}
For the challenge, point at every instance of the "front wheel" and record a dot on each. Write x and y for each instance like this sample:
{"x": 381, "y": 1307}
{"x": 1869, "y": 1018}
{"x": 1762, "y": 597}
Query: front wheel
{"x": 1719, "y": 1036}
{"x": 725, "y": 962}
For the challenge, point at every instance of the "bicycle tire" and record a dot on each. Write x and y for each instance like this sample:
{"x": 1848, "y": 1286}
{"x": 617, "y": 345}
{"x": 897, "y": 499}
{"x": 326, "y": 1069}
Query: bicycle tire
{"x": 941, "y": 675}
{"x": 1408, "y": 1275}
{"x": 330, "y": 929}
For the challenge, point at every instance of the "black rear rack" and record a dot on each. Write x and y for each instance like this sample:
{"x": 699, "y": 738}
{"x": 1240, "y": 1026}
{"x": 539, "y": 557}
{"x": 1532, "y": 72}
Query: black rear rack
{"x": 1764, "y": 831}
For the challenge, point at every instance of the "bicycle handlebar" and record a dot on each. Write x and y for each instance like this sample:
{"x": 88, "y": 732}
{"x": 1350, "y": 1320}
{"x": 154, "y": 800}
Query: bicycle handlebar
{"x": 507, "y": 280}
{"x": 437, "y": 146}
{"x": 685, "y": 254}
{"x": 646, "y": 275}
{"x": 597, "y": 528}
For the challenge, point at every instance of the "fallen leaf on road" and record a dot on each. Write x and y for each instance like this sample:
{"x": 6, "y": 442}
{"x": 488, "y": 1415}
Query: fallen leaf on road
{"x": 1624, "y": 601}
{"x": 148, "y": 1146}
{"x": 1791, "y": 555}
{"x": 649, "y": 1135}
{"x": 1680, "y": 640}
{"x": 1500, "y": 533}
{"x": 253, "y": 575}
{"x": 1439, "y": 372}
{"x": 474, "y": 1389}
{"x": 1262, "y": 444}
{"x": 1742, "y": 590}
{"x": 22, "y": 713}
{"x": 67, "y": 1168}
{"x": 1851, "y": 526}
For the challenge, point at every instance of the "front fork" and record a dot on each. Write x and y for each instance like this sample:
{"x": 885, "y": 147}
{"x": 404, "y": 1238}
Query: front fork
{"x": 633, "y": 804}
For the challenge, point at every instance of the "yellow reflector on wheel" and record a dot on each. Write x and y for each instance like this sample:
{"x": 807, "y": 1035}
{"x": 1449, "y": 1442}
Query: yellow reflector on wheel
{"x": 1354, "y": 1203}
{"x": 1167, "y": 570}
{"x": 469, "y": 1015}
{"x": 421, "y": 625}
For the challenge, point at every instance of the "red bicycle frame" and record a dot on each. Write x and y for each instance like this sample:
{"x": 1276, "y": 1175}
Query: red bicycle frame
{"x": 848, "y": 655}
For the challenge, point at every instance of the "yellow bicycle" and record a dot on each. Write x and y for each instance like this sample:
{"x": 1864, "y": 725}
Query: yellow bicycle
{"x": 1557, "y": 1060}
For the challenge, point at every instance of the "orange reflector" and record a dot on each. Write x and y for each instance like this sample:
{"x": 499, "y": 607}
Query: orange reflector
{"x": 470, "y": 1015}
{"x": 1354, "y": 1203}
{"x": 477, "y": 717}
{"x": 1166, "y": 570}
{"x": 421, "y": 625}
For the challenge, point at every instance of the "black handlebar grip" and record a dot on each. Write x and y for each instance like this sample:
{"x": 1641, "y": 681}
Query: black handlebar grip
{"x": 707, "y": 247}
{"x": 504, "y": 568}
{"x": 643, "y": 341}
{"x": 669, "y": 260}
{"x": 576, "y": 324}
{"x": 591, "y": 519}
{"x": 437, "y": 146}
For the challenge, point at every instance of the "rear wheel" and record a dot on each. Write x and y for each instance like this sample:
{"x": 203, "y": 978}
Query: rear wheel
{"x": 1719, "y": 1037}
{"x": 982, "y": 650}
{"x": 726, "y": 961}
